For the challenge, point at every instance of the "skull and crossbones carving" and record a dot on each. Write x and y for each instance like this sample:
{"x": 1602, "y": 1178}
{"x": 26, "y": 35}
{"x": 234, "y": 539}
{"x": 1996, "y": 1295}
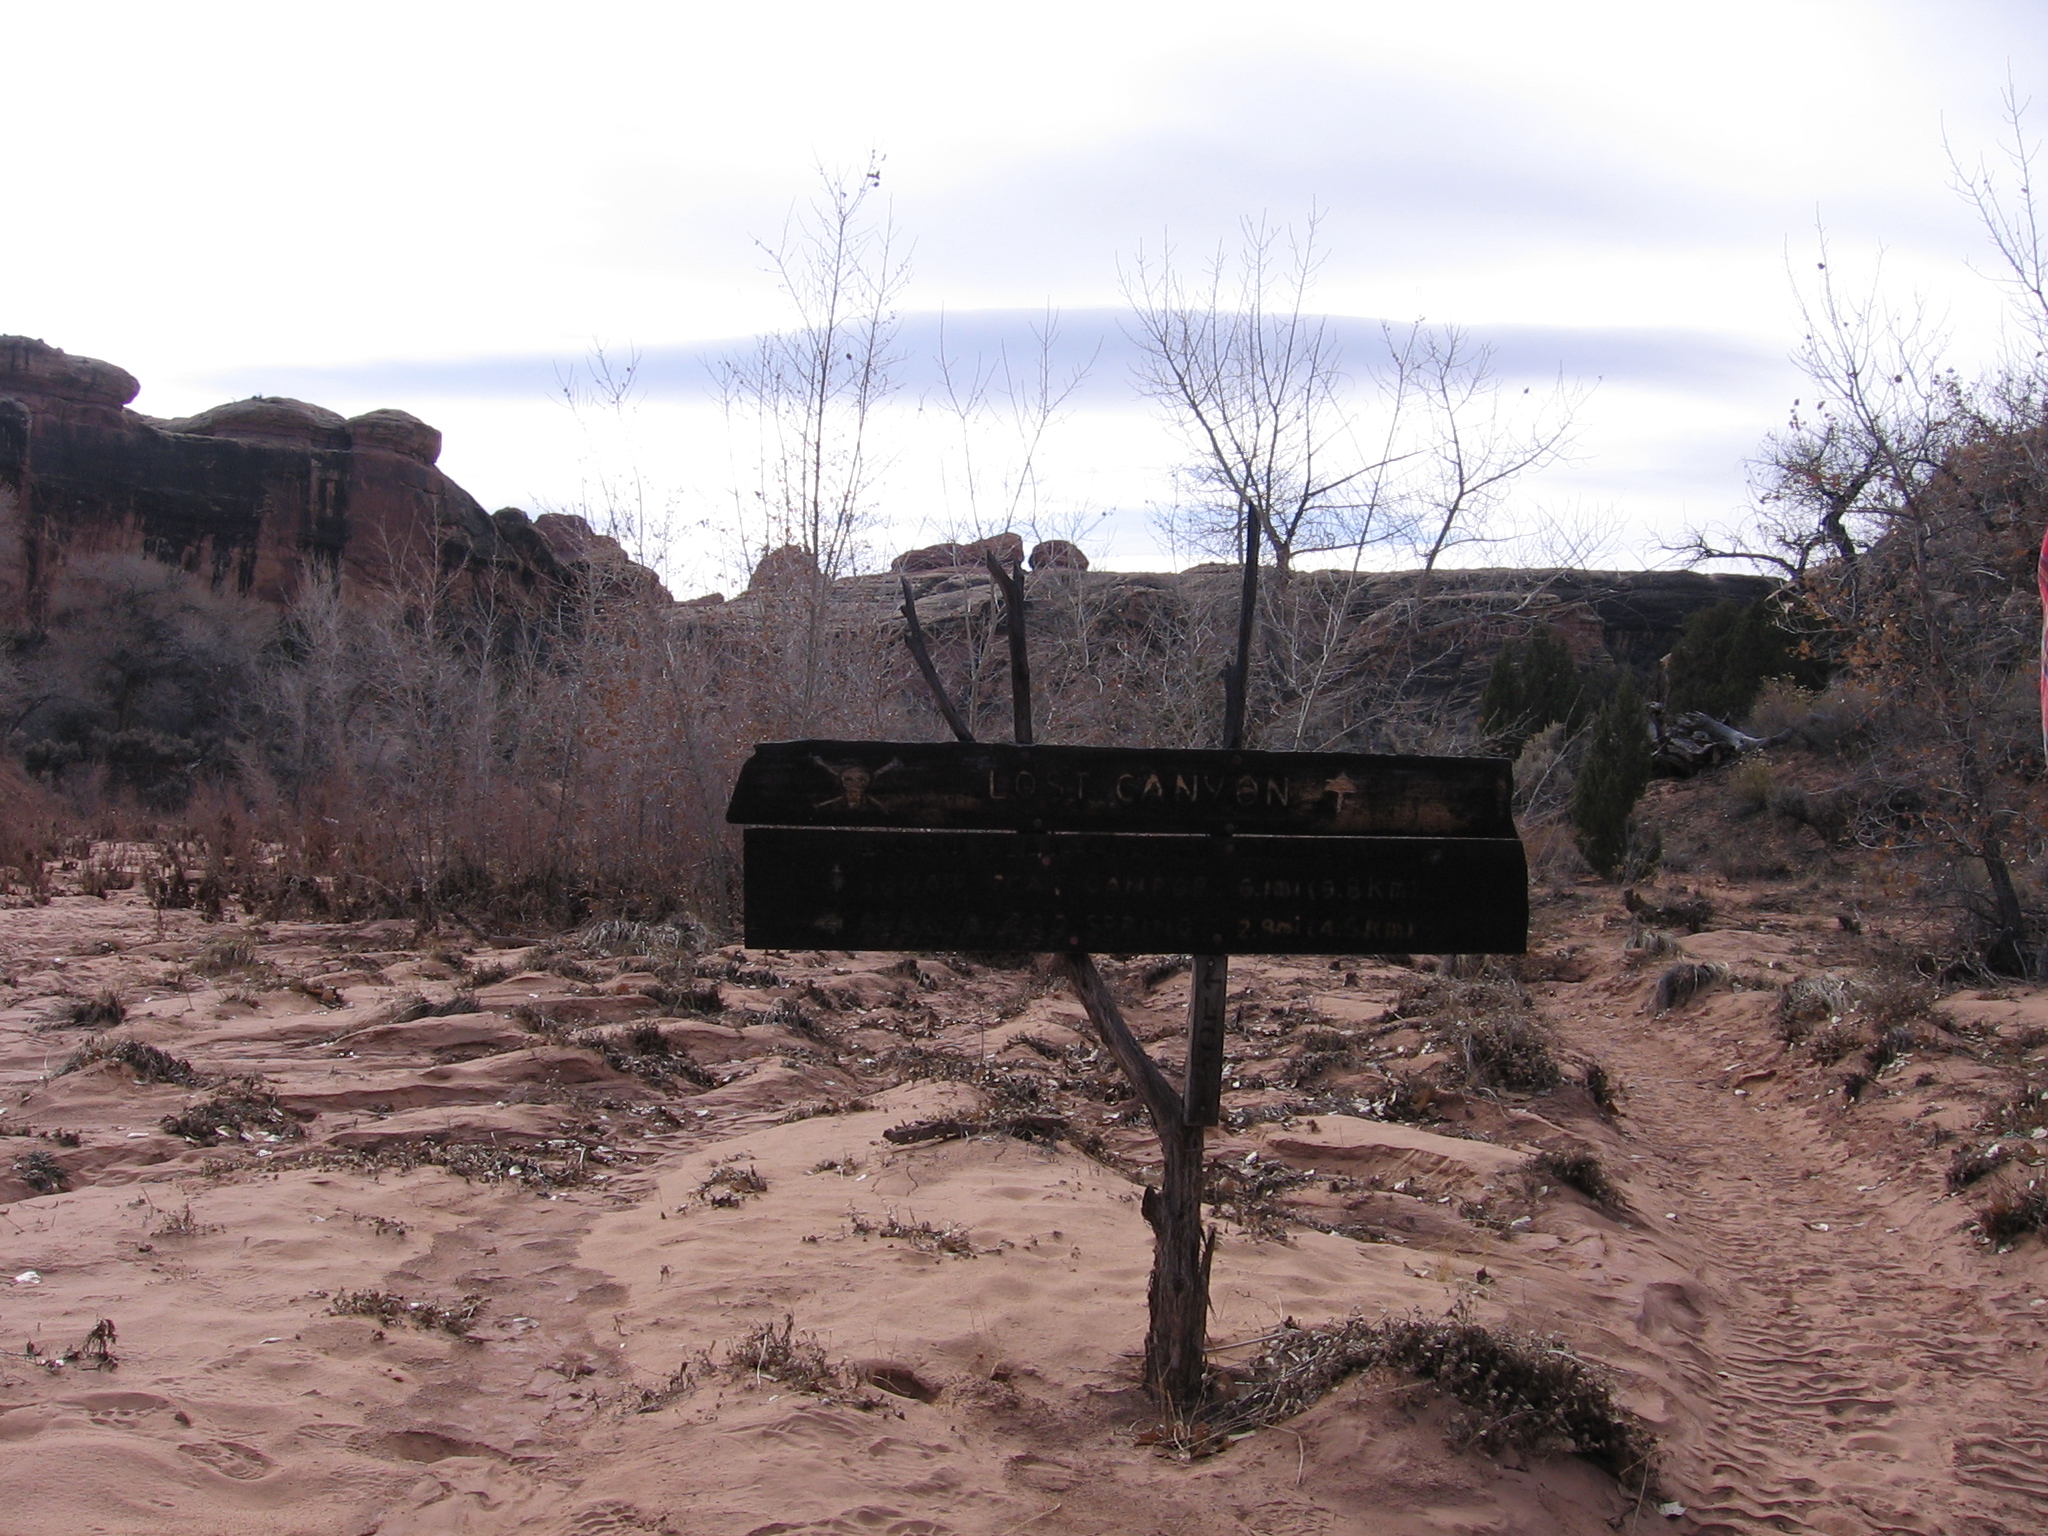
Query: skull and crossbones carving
{"x": 855, "y": 784}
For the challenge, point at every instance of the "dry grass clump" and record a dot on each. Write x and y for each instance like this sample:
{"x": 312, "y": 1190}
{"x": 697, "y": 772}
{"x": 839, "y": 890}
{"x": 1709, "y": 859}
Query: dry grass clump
{"x": 147, "y": 1062}
{"x": 1510, "y": 1051}
{"x": 561, "y": 1163}
{"x": 1679, "y": 984}
{"x": 1810, "y": 1000}
{"x": 1971, "y": 1164}
{"x": 1488, "y": 1026}
{"x": 103, "y": 1010}
{"x": 2011, "y": 1215}
{"x": 1838, "y": 1040}
{"x": 921, "y": 1235}
{"x": 1518, "y": 1392}
{"x": 646, "y": 1053}
{"x": 613, "y": 936}
{"x": 390, "y": 1308}
{"x": 42, "y": 1173}
{"x": 1579, "y": 1170}
{"x": 414, "y": 1007}
{"x": 225, "y": 955}
{"x": 777, "y": 1352}
{"x": 1248, "y": 1193}
{"x": 243, "y": 1110}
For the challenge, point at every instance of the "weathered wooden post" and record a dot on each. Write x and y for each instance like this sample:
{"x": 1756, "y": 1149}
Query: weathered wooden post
{"x": 1081, "y": 850}
{"x": 1200, "y": 853}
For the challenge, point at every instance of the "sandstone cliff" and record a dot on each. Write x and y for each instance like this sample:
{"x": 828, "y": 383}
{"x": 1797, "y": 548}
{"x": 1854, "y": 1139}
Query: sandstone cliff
{"x": 257, "y": 496}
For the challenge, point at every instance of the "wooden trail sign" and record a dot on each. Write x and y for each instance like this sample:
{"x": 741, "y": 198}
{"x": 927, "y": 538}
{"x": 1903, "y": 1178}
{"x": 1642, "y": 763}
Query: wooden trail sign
{"x": 893, "y": 845}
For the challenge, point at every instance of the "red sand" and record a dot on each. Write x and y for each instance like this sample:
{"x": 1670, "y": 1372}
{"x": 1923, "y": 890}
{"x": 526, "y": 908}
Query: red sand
{"x": 1789, "y": 1299}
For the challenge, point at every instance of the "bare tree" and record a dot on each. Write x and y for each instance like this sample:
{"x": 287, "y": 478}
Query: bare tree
{"x": 1002, "y": 409}
{"x": 811, "y": 393}
{"x": 1474, "y": 441}
{"x": 1254, "y": 382}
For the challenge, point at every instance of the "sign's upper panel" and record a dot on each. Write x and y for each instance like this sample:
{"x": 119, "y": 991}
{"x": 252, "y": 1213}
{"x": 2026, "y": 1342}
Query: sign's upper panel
{"x": 997, "y": 785}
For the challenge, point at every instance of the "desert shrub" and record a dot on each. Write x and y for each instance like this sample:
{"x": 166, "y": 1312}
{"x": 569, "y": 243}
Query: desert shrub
{"x": 1971, "y": 1164}
{"x": 390, "y": 1308}
{"x": 225, "y": 955}
{"x": 1681, "y": 983}
{"x": 1579, "y": 1170}
{"x": 2011, "y": 1215}
{"x": 242, "y": 1110}
{"x": 1508, "y": 1051}
{"x": 42, "y": 1173}
{"x": 1838, "y": 1040}
{"x": 1750, "y": 786}
{"x": 1727, "y": 651}
{"x": 102, "y": 1010}
{"x": 1518, "y": 1392}
{"x": 147, "y": 1062}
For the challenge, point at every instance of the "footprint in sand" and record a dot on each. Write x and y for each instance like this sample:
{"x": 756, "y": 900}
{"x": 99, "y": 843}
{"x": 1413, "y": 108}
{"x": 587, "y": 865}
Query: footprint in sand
{"x": 241, "y": 1462}
{"x": 120, "y": 1410}
{"x": 614, "y": 1518}
{"x": 866, "y": 1520}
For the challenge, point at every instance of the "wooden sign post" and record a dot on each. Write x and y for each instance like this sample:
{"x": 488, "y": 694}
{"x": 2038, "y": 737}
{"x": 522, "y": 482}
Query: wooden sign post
{"x": 990, "y": 846}
{"x": 964, "y": 845}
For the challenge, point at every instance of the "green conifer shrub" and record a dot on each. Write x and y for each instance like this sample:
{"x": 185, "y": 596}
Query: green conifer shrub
{"x": 1611, "y": 779}
{"x": 1726, "y": 652}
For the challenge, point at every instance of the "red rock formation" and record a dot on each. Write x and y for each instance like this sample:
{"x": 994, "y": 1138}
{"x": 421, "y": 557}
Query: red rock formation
{"x": 258, "y": 496}
{"x": 1058, "y": 555}
{"x": 788, "y": 569}
{"x": 1008, "y": 548}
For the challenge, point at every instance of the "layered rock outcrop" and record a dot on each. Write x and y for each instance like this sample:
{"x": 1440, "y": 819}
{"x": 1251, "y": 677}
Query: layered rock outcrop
{"x": 258, "y": 496}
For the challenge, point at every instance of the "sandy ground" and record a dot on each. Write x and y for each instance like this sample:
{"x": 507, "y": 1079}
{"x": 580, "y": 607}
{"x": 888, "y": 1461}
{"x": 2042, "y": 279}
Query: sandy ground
{"x": 1789, "y": 1296}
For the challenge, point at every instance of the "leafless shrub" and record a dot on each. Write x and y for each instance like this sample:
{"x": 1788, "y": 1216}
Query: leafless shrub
{"x": 245, "y": 1110}
{"x": 1970, "y": 1164}
{"x": 1579, "y": 1170}
{"x": 1838, "y": 1040}
{"x": 102, "y": 1010}
{"x": 147, "y": 1062}
{"x": 181, "y": 1223}
{"x": 1519, "y": 1392}
{"x": 2011, "y": 1215}
{"x": 731, "y": 1185}
{"x": 921, "y": 1235}
{"x": 390, "y": 1309}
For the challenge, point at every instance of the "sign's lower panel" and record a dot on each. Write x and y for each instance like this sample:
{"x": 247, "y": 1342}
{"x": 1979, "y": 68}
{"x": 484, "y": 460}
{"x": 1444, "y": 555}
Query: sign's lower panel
{"x": 811, "y": 889}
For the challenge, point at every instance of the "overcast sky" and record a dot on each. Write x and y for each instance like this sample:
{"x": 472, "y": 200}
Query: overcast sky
{"x": 443, "y": 207}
